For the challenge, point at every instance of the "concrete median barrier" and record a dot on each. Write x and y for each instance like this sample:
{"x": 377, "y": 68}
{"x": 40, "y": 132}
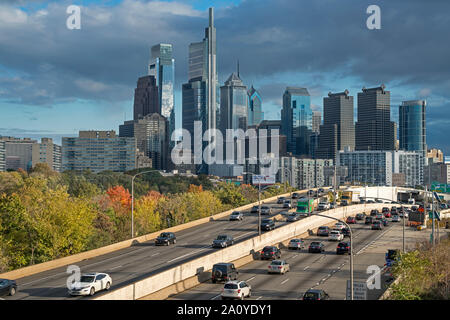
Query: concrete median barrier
{"x": 155, "y": 286}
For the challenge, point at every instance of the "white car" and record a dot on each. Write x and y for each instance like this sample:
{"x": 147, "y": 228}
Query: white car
{"x": 90, "y": 283}
{"x": 395, "y": 218}
{"x": 339, "y": 225}
{"x": 323, "y": 206}
{"x": 278, "y": 266}
{"x": 236, "y": 290}
{"x": 335, "y": 235}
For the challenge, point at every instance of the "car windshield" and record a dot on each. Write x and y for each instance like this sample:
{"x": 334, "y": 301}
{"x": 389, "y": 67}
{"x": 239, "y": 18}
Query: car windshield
{"x": 3, "y": 282}
{"x": 276, "y": 262}
{"x": 295, "y": 240}
{"x": 264, "y": 207}
{"x": 266, "y": 249}
{"x": 343, "y": 244}
{"x": 87, "y": 279}
{"x": 266, "y": 221}
{"x": 311, "y": 295}
{"x": 315, "y": 243}
{"x": 222, "y": 237}
{"x": 164, "y": 235}
{"x": 231, "y": 286}
{"x": 235, "y": 214}
{"x": 334, "y": 232}
{"x": 322, "y": 228}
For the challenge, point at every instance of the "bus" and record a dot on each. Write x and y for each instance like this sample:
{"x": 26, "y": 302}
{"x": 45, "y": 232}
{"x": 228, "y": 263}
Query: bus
{"x": 305, "y": 206}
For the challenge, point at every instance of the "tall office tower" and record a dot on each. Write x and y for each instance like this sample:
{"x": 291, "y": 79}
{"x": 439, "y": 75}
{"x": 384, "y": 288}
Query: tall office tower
{"x": 162, "y": 67}
{"x": 316, "y": 121}
{"x": 200, "y": 94}
{"x": 338, "y": 130}
{"x": 2, "y": 156}
{"x": 146, "y": 97}
{"x": 296, "y": 119}
{"x": 233, "y": 104}
{"x": 412, "y": 131}
{"x": 152, "y": 138}
{"x": 99, "y": 151}
{"x": 18, "y": 153}
{"x": 255, "y": 114}
{"x": 47, "y": 152}
{"x": 374, "y": 128}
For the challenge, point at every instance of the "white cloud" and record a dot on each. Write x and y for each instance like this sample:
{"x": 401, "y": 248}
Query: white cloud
{"x": 11, "y": 17}
{"x": 91, "y": 85}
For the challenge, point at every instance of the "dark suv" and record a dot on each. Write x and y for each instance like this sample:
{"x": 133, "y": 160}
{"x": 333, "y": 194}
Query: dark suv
{"x": 316, "y": 294}
{"x": 223, "y": 272}
{"x": 343, "y": 247}
{"x": 165, "y": 239}
{"x": 267, "y": 224}
{"x": 323, "y": 231}
{"x": 368, "y": 220}
{"x": 223, "y": 241}
{"x": 374, "y": 212}
{"x": 271, "y": 253}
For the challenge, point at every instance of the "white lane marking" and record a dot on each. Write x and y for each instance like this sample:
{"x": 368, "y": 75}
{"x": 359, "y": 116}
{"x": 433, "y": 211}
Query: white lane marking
{"x": 190, "y": 253}
{"x": 155, "y": 254}
{"x": 307, "y": 267}
{"x": 250, "y": 279}
{"x": 294, "y": 256}
{"x": 215, "y": 297}
{"x": 285, "y": 281}
{"x": 114, "y": 267}
{"x": 258, "y": 298}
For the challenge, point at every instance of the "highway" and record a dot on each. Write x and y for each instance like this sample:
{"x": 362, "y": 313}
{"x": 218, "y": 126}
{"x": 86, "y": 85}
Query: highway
{"x": 144, "y": 259}
{"x": 327, "y": 271}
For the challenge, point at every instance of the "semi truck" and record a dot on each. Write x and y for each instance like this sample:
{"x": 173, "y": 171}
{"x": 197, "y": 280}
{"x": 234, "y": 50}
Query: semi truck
{"x": 349, "y": 197}
{"x": 305, "y": 206}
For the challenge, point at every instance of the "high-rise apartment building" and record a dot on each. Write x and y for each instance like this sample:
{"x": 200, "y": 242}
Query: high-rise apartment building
{"x": 200, "y": 94}
{"x": 412, "y": 131}
{"x": 146, "y": 97}
{"x": 338, "y": 130}
{"x": 233, "y": 105}
{"x": 47, "y": 152}
{"x": 99, "y": 151}
{"x": 255, "y": 113}
{"x": 2, "y": 156}
{"x": 152, "y": 138}
{"x": 306, "y": 173}
{"x": 374, "y": 128}
{"x": 296, "y": 118}
{"x": 162, "y": 67}
{"x": 18, "y": 153}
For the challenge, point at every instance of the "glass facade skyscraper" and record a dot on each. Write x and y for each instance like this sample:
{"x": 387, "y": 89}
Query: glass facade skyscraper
{"x": 255, "y": 114}
{"x": 296, "y": 119}
{"x": 162, "y": 67}
{"x": 233, "y": 104}
{"x": 412, "y": 131}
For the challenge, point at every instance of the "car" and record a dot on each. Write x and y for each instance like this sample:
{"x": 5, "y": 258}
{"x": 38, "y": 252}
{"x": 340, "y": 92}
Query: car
{"x": 396, "y": 218}
{"x": 378, "y": 200}
{"x": 270, "y": 252}
{"x": 296, "y": 244}
{"x": 295, "y": 195}
{"x": 323, "y": 206}
{"x": 368, "y": 220}
{"x": 287, "y": 204}
{"x": 236, "y": 215}
{"x": 7, "y": 287}
{"x": 343, "y": 247}
{"x": 360, "y": 216}
{"x": 278, "y": 266}
{"x": 165, "y": 239}
{"x": 310, "y": 193}
{"x": 344, "y": 203}
{"x": 385, "y": 209}
{"x": 379, "y": 216}
{"x": 316, "y": 294}
{"x": 90, "y": 283}
{"x": 333, "y": 205}
{"x": 267, "y": 224}
{"x": 335, "y": 235}
{"x": 254, "y": 209}
{"x": 316, "y": 247}
{"x": 351, "y": 220}
{"x": 323, "y": 231}
{"x": 377, "y": 225}
{"x": 362, "y": 201}
{"x": 384, "y": 221}
{"x": 236, "y": 290}
{"x": 374, "y": 212}
{"x": 346, "y": 232}
{"x": 370, "y": 201}
{"x": 414, "y": 208}
{"x": 281, "y": 200}
{"x": 293, "y": 217}
{"x": 285, "y": 213}
{"x": 388, "y": 214}
{"x": 320, "y": 190}
{"x": 266, "y": 210}
{"x": 223, "y": 241}
{"x": 339, "y": 225}
{"x": 223, "y": 271}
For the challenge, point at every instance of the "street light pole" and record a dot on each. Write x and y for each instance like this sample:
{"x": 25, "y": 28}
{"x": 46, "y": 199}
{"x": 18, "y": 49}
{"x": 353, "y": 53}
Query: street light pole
{"x": 132, "y": 200}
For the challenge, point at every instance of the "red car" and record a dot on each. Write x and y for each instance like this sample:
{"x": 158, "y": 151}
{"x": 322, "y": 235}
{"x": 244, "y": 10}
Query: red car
{"x": 387, "y": 214}
{"x": 351, "y": 220}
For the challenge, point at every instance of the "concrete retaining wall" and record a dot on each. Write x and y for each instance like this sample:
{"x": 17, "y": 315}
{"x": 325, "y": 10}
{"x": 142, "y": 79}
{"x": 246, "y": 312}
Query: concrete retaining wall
{"x": 196, "y": 267}
{"x": 45, "y": 266}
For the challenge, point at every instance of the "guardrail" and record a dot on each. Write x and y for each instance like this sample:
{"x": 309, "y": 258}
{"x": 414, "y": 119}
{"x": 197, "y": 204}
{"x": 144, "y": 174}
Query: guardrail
{"x": 53, "y": 264}
{"x": 248, "y": 247}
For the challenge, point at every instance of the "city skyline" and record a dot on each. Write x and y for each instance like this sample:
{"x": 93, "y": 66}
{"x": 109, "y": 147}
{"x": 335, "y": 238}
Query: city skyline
{"x": 47, "y": 110}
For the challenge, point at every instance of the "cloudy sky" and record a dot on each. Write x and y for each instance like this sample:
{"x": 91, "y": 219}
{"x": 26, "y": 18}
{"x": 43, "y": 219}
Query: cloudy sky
{"x": 55, "y": 81}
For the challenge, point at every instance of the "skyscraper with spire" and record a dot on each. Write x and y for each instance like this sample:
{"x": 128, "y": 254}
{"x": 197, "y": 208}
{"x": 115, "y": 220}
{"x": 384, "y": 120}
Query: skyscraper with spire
{"x": 200, "y": 93}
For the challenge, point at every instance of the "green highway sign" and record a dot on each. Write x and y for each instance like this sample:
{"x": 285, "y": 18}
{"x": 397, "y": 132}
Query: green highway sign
{"x": 440, "y": 187}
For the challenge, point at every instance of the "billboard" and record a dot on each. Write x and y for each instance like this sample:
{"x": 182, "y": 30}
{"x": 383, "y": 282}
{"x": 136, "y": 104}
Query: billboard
{"x": 263, "y": 180}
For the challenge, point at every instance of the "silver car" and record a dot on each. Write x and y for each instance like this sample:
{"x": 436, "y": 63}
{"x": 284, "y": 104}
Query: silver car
{"x": 236, "y": 290}
{"x": 296, "y": 244}
{"x": 278, "y": 266}
{"x": 266, "y": 210}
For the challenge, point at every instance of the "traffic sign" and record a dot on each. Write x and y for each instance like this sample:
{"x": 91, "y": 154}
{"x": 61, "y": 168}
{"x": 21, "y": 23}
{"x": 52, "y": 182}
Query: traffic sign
{"x": 263, "y": 180}
{"x": 359, "y": 290}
